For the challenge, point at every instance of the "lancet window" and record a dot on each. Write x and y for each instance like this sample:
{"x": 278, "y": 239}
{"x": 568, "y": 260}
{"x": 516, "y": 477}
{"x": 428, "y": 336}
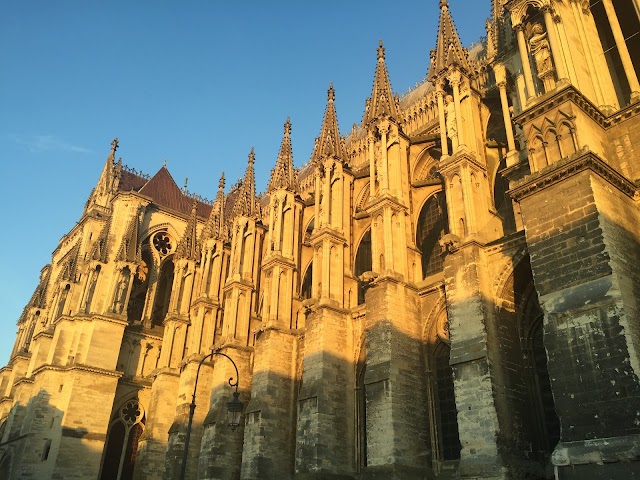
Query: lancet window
{"x": 432, "y": 225}
{"x": 121, "y": 449}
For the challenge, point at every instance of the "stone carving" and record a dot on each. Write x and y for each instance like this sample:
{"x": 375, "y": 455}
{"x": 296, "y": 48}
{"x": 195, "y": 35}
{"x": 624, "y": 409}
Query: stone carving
{"x": 541, "y": 52}
{"x": 450, "y": 120}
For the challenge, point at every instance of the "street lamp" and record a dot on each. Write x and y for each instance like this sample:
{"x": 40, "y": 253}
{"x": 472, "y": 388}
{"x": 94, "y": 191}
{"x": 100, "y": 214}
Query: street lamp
{"x": 234, "y": 408}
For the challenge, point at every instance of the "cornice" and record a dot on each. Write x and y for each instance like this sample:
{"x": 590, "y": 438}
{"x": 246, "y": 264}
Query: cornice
{"x": 276, "y": 259}
{"x": 548, "y": 102}
{"x": 80, "y": 367}
{"x": 510, "y": 242}
{"x": 579, "y": 162}
{"x": 459, "y": 157}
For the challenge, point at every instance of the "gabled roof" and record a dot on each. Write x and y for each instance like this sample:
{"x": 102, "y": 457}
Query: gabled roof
{"x": 329, "y": 143}
{"x": 382, "y": 102}
{"x": 164, "y": 191}
{"x": 449, "y": 51}
{"x": 283, "y": 175}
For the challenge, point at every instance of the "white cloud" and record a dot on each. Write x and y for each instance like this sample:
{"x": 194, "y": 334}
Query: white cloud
{"x": 46, "y": 143}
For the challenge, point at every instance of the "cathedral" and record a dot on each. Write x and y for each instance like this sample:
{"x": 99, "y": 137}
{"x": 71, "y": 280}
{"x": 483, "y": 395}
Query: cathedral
{"x": 447, "y": 291}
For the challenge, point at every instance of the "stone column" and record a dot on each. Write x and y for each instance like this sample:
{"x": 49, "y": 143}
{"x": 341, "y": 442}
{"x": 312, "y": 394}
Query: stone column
{"x": 396, "y": 416}
{"x": 269, "y": 443}
{"x": 478, "y": 423}
{"x": 384, "y": 128}
{"x": 272, "y": 207}
{"x": 558, "y": 59}
{"x": 501, "y": 78}
{"x": 454, "y": 80}
{"x": 279, "y": 226}
{"x": 593, "y": 73}
{"x": 629, "y": 70}
{"x": 324, "y": 435}
{"x": 327, "y": 194}
{"x": 372, "y": 164}
{"x": 524, "y": 56}
{"x": 316, "y": 206}
{"x": 585, "y": 273}
{"x": 442, "y": 121}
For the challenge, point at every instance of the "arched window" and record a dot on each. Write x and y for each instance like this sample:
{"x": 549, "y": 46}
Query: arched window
{"x": 122, "y": 442}
{"x": 446, "y": 414}
{"x": 547, "y": 424}
{"x": 163, "y": 293}
{"x": 502, "y": 201}
{"x": 432, "y": 225}
{"x": 307, "y": 283}
{"x": 363, "y": 262}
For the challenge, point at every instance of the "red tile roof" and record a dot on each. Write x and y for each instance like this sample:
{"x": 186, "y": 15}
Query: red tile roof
{"x": 164, "y": 191}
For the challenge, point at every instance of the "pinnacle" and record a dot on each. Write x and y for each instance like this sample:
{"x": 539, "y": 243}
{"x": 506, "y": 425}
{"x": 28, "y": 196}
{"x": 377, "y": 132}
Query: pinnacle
{"x": 329, "y": 142}
{"x": 380, "y": 51}
{"x": 287, "y": 127}
{"x": 449, "y": 50}
{"x": 282, "y": 173}
{"x": 382, "y": 102}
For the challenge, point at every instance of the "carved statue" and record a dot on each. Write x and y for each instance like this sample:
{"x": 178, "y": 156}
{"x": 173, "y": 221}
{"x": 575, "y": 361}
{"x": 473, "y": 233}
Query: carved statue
{"x": 541, "y": 52}
{"x": 121, "y": 293}
{"x": 450, "y": 120}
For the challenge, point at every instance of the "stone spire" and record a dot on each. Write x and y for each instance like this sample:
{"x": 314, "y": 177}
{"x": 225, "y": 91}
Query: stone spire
{"x": 245, "y": 203}
{"x": 109, "y": 180}
{"x": 188, "y": 246}
{"x": 283, "y": 174}
{"x": 329, "y": 143}
{"x": 215, "y": 223}
{"x": 449, "y": 51}
{"x": 382, "y": 103}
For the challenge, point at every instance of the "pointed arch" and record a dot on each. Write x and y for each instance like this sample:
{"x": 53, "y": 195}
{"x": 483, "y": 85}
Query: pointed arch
{"x": 445, "y": 438}
{"x": 306, "y": 288}
{"x": 432, "y": 226}
{"x": 121, "y": 450}
{"x": 519, "y": 354}
{"x": 363, "y": 261}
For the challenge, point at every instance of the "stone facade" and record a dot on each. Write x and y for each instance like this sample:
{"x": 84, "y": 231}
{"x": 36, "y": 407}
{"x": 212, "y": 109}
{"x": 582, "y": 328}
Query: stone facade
{"x": 449, "y": 291}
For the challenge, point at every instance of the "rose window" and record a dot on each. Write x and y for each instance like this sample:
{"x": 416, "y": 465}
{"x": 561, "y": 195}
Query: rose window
{"x": 131, "y": 412}
{"x": 162, "y": 243}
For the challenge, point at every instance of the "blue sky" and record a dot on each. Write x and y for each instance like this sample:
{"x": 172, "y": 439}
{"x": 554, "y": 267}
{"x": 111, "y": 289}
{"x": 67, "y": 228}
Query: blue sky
{"x": 194, "y": 83}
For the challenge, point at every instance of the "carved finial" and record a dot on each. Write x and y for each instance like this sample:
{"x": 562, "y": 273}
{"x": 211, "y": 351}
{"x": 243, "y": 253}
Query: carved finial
{"x": 114, "y": 147}
{"x": 186, "y": 182}
{"x": 252, "y": 157}
{"x": 380, "y": 51}
{"x": 221, "y": 182}
{"x": 287, "y": 127}
{"x": 444, "y": 4}
{"x": 164, "y": 164}
{"x": 331, "y": 93}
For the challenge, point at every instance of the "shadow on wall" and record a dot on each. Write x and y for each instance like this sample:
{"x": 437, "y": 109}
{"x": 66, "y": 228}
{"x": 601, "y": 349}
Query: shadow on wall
{"x": 30, "y": 438}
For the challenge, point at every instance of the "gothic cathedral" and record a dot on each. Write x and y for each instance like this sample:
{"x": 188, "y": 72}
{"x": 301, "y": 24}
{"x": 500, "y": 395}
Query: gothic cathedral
{"x": 448, "y": 291}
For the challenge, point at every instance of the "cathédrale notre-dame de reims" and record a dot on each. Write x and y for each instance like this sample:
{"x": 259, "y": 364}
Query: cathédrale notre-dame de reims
{"x": 448, "y": 291}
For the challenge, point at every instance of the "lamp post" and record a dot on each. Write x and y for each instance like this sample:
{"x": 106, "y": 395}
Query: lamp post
{"x": 234, "y": 408}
